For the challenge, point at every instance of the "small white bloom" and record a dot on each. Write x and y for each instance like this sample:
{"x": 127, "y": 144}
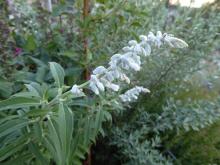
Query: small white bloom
{"x": 128, "y": 62}
{"x": 132, "y": 94}
{"x": 140, "y": 50}
{"x": 115, "y": 57}
{"x": 11, "y": 17}
{"x": 97, "y": 82}
{"x": 151, "y": 37}
{"x": 112, "y": 86}
{"x": 174, "y": 42}
{"x": 134, "y": 65}
{"x": 114, "y": 60}
{"x": 145, "y": 90}
{"x": 94, "y": 88}
{"x": 126, "y": 49}
{"x": 76, "y": 90}
{"x": 132, "y": 43}
{"x": 156, "y": 40}
{"x": 100, "y": 86}
{"x": 109, "y": 76}
{"x": 159, "y": 34}
{"x": 159, "y": 38}
{"x": 125, "y": 78}
{"x": 147, "y": 49}
{"x": 116, "y": 73}
{"x": 143, "y": 38}
{"x": 99, "y": 70}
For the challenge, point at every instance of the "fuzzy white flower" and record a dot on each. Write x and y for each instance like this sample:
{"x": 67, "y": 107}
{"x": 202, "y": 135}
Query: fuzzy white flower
{"x": 114, "y": 60}
{"x": 127, "y": 62}
{"x": 134, "y": 48}
{"x": 151, "y": 37}
{"x": 99, "y": 70}
{"x": 11, "y": 17}
{"x": 175, "y": 42}
{"x": 110, "y": 85}
{"x": 96, "y": 85}
{"x": 155, "y": 39}
{"x": 94, "y": 88}
{"x": 133, "y": 43}
{"x": 132, "y": 94}
{"x": 143, "y": 38}
{"x": 123, "y": 77}
{"x": 76, "y": 90}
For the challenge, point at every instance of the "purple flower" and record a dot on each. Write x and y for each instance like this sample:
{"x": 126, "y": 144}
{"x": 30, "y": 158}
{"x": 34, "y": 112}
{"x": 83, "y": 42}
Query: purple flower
{"x": 18, "y": 51}
{"x": 61, "y": 30}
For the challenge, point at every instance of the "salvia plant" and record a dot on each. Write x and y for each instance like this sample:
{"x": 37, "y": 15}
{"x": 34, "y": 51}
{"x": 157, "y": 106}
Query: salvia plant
{"x": 127, "y": 62}
{"x": 55, "y": 123}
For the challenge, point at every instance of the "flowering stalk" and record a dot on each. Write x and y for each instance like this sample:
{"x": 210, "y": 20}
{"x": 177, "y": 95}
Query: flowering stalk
{"x": 132, "y": 94}
{"x": 76, "y": 89}
{"x": 128, "y": 61}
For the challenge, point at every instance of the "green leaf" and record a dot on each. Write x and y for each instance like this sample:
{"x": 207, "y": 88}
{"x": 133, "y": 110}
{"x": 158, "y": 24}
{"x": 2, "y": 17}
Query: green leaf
{"x": 99, "y": 118}
{"x": 12, "y": 126}
{"x": 107, "y": 116}
{"x": 51, "y": 148}
{"x": 62, "y": 125}
{"x": 8, "y": 150}
{"x": 38, "y": 62}
{"x": 41, "y": 74}
{"x": 19, "y": 160}
{"x": 136, "y": 23}
{"x": 35, "y": 88}
{"x": 87, "y": 131}
{"x": 36, "y": 151}
{"x": 5, "y": 88}
{"x": 57, "y": 73}
{"x": 18, "y": 102}
{"x": 25, "y": 94}
{"x": 89, "y": 56}
{"x": 70, "y": 128}
{"x": 81, "y": 103}
{"x": 65, "y": 126}
{"x": 74, "y": 144}
{"x": 30, "y": 43}
{"x": 53, "y": 142}
{"x": 38, "y": 131}
{"x": 7, "y": 118}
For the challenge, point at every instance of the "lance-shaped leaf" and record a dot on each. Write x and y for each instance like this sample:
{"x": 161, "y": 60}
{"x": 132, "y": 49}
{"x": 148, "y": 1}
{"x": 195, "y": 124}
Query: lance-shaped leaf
{"x": 8, "y": 150}
{"x": 12, "y": 126}
{"x": 57, "y": 73}
{"x": 18, "y": 102}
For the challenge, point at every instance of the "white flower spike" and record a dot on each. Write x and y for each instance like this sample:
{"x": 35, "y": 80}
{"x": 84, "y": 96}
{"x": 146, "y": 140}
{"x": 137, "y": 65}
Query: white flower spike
{"x": 129, "y": 61}
{"x": 132, "y": 94}
{"x": 175, "y": 42}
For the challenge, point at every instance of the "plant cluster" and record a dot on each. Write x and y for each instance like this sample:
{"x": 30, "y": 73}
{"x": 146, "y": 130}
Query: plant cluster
{"x": 58, "y": 127}
{"x": 55, "y": 115}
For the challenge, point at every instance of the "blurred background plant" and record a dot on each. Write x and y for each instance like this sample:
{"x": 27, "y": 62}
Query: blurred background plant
{"x": 184, "y": 84}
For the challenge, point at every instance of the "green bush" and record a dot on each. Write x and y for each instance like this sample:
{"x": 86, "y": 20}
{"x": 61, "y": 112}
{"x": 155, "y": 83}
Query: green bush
{"x": 197, "y": 147}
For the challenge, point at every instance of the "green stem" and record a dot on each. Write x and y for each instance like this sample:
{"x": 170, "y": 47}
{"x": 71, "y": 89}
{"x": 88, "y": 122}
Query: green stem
{"x": 65, "y": 94}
